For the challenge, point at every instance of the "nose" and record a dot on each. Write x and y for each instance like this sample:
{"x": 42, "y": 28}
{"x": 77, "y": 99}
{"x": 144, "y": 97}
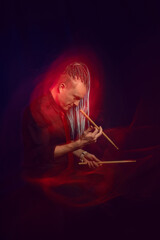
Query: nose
{"x": 76, "y": 103}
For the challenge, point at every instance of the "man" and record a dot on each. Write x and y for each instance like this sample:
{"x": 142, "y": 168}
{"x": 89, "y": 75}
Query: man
{"x": 50, "y": 119}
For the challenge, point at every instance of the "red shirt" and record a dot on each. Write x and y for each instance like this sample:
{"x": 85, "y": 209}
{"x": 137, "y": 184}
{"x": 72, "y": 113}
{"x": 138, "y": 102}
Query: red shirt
{"x": 43, "y": 129}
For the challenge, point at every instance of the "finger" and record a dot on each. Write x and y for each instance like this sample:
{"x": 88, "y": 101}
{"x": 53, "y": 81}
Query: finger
{"x": 95, "y": 158}
{"x": 88, "y": 130}
{"x": 86, "y": 161}
{"x": 95, "y": 132}
{"x": 89, "y": 164}
{"x": 96, "y": 164}
{"x": 99, "y": 133}
{"x": 100, "y": 130}
{"x": 92, "y": 164}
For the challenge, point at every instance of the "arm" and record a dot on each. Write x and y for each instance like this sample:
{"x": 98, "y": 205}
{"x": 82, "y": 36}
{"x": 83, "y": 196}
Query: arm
{"x": 61, "y": 150}
{"x": 88, "y": 158}
{"x": 39, "y": 148}
{"x": 88, "y": 137}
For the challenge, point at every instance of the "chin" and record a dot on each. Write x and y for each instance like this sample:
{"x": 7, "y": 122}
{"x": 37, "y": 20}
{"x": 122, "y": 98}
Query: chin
{"x": 66, "y": 109}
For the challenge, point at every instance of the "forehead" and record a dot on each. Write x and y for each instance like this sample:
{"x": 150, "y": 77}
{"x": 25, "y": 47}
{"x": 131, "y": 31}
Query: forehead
{"x": 77, "y": 87}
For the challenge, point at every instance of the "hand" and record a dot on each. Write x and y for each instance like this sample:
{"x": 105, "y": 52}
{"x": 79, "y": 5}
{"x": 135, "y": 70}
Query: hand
{"x": 91, "y": 160}
{"x": 90, "y": 135}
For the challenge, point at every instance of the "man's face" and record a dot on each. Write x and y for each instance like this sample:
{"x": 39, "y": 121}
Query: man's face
{"x": 71, "y": 93}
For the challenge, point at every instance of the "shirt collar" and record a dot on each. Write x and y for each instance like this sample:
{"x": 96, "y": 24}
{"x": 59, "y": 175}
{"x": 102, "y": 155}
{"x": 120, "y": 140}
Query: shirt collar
{"x": 56, "y": 107}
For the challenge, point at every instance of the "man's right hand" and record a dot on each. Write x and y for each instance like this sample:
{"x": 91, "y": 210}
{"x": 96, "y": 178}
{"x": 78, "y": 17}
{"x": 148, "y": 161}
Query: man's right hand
{"x": 90, "y": 135}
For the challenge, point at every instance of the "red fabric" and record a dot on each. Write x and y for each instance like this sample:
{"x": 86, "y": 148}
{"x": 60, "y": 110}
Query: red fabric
{"x": 88, "y": 187}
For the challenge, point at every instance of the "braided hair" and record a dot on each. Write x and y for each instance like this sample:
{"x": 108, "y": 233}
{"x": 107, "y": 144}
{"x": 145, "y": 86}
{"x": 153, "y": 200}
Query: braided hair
{"x": 77, "y": 120}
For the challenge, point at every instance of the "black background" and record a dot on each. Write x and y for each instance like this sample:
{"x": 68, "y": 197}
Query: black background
{"x": 123, "y": 34}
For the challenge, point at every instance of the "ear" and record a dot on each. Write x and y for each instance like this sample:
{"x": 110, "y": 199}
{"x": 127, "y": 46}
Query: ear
{"x": 61, "y": 87}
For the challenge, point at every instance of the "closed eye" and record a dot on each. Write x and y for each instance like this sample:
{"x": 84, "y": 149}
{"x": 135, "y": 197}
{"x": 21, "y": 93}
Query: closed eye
{"x": 77, "y": 98}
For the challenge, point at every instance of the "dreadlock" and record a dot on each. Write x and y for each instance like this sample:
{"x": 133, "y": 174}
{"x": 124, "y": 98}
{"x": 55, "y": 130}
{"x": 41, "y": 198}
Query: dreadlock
{"x": 78, "y": 70}
{"x": 77, "y": 120}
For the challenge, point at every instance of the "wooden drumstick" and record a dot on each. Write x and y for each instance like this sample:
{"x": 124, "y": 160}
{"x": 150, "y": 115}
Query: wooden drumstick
{"x": 98, "y": 129}
{"x": 110, "y": 162}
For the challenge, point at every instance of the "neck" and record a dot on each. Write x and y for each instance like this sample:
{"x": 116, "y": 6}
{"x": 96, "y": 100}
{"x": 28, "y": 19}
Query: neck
{"x": 55, "y": 97}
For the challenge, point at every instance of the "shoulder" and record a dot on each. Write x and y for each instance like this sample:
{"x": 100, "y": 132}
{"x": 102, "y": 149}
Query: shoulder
{"x": 42, "y": 110}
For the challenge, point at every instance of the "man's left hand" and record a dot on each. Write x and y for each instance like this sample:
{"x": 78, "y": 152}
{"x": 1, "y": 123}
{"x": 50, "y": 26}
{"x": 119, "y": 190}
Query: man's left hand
{"x": 91, "y": 160}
